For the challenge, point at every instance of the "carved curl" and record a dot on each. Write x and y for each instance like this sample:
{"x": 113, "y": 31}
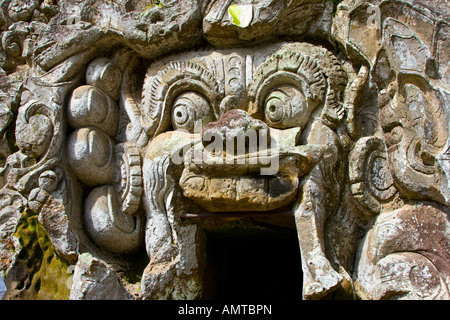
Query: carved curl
{"x": 371, "y": 182}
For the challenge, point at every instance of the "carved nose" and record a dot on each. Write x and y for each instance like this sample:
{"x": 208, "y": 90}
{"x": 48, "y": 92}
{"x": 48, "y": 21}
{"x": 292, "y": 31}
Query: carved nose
{"x": 236, "y": 128}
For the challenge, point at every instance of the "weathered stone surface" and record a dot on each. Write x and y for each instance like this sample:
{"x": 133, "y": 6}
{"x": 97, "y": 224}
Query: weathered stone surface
{"x": 37, "y": 272}
{"x": 264, "y": 20}
{"x": 91, "y": 156}
{"x": 52, "y": 214}
{"x": 94, "y": 280}
{"x": 108, "y": 226}
{"x": 405, "y": 255}
{"x": 12, "y": 204}
{"x": 137, "y": 131}
{"x": 405, "y": 164}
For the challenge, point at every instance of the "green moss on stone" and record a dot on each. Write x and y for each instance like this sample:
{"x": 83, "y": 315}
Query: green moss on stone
{"x": 46, "y": 273}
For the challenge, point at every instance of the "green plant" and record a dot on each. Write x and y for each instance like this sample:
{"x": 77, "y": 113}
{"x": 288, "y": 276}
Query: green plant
{"x": 336, "y": 3}
{"x": 156, "y": 3}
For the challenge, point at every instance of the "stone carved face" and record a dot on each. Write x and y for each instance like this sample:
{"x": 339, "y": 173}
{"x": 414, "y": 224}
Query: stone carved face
{"x": 234, "y": 132}
{"x": 250, "y": 158}
{"x": 272, "y": 109}
{"x": 397, "y": 255}
{"x": 217, "y": 135}
{"x": 415, "y": 135}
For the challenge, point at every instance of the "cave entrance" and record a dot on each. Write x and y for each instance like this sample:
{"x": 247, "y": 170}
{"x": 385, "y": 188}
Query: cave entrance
{"x": 249, "y": 264}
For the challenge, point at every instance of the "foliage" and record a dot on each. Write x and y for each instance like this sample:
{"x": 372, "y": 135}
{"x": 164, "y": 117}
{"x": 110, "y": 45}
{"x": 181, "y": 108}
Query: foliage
{"x": 241, "y": 15}
{"x": 156, "y": 3}
{"x": 336, "y": 3}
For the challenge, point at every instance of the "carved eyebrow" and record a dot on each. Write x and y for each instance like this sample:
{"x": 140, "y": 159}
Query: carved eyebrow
{"x": 278, "y": 90}
{"x": 180, "y": 101}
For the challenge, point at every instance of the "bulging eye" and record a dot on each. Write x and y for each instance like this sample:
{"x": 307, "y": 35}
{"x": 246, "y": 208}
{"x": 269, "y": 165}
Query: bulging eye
{"x": 181, "y": 114}
{"x": 188, "y": 108}
{"x": 274, "y": 109}
{"x": 285, "y": 106}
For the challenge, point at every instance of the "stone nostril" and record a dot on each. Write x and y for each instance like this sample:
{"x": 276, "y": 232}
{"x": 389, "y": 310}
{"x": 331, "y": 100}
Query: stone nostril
{"x": 236, "y": 132}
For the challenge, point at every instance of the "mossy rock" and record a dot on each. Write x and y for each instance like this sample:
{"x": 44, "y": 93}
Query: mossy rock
{"x": 38, "y": 272}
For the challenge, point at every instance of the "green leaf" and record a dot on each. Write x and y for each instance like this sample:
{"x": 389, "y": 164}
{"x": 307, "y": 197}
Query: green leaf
{"x": 241, "y": 15}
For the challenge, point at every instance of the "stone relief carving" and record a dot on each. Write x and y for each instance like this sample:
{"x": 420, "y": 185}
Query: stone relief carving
{"x": 408, "y": 156}
{"x": 136, "y": 131}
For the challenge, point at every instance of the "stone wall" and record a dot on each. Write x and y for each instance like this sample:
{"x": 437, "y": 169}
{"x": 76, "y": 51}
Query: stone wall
{"x": 140, "y": 138}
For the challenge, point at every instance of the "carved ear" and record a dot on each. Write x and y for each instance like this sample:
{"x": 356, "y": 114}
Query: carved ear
{"x": 371, "y": 182}
{"x": 128, "y": 178}
{"x": 161, "y": 90}
{"x": 287, "y": 68}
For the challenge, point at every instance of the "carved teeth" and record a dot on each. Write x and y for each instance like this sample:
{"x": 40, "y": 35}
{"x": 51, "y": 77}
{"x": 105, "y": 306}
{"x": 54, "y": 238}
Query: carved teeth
{"x": 239, "y": 193}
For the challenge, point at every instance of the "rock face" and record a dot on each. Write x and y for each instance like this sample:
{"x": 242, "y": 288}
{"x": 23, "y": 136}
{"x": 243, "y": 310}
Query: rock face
{"x": 137, "y": 133}
{"x": 94, "y": 280}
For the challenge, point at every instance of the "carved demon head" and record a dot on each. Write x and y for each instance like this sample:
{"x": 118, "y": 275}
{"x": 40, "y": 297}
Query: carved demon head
{"x": 220, "y": 133}
{"x": 253, "y": 111}
{"x": 134, "y": 152}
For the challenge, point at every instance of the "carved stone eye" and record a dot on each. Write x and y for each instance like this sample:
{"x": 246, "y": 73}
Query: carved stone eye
{"x": 274, "y": 107}
{"x": 189, "y": 107}
{"x": 286, "y": 106}
{"x": 181, "y": 114}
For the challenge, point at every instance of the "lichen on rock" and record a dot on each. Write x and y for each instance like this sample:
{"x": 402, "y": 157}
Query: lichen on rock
{"x": 37, "y": 272}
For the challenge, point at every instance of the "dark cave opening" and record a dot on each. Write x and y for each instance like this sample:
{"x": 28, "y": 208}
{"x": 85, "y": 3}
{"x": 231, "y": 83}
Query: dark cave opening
{"x": 250, "y": 264}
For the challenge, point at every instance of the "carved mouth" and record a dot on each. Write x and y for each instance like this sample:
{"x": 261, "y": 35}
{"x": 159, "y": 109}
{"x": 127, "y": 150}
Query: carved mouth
{"x": 241, "y": 187}
{"x": 242, "y": 165}
{"x": 211, "y": 163}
